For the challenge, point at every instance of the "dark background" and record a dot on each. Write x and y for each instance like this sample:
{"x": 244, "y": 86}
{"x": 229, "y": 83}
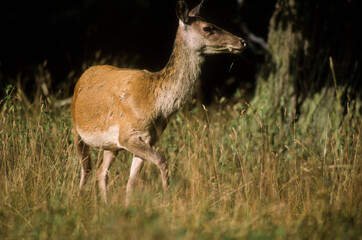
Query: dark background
{"x": 66, "y": 37}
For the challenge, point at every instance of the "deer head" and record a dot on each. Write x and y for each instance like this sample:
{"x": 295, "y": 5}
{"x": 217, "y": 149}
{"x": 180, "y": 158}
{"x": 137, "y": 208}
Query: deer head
{"x": 204, "y": 37}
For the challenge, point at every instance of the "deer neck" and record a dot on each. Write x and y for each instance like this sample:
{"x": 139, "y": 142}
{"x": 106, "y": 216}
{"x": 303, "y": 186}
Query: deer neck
{"x": 177, "y": 79}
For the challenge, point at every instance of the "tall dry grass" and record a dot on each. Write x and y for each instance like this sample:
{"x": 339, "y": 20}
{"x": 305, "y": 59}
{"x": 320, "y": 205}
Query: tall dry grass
{"x": 233, "y": 174}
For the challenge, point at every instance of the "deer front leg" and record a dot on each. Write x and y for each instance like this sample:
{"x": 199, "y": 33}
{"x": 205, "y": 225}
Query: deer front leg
{"x": 137, "y": 164}
{"x": 102, "y": 172}
{"x": 142, "y": 149}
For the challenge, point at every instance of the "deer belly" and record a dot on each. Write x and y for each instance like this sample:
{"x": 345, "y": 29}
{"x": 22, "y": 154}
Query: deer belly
{"x": 107, "y": 139}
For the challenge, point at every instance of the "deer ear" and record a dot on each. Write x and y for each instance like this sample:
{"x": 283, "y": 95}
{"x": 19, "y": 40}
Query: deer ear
{"x": 182, "y": 11}
{"x": 196, "y": 11}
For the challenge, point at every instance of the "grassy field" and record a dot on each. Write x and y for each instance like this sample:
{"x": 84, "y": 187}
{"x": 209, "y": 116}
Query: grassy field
{"x": 233, "y": 175}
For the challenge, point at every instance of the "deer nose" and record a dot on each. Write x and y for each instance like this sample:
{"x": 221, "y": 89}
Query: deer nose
{"x": 243, "y": 43}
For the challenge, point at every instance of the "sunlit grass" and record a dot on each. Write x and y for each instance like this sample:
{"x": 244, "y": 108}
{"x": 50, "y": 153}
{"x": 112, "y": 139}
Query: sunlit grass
{"x": 233, "y": 175}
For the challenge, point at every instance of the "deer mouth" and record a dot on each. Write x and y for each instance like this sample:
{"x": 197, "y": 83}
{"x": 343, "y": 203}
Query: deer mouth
{"x": 236, "y": 50}
{"x": 224, "y": 49}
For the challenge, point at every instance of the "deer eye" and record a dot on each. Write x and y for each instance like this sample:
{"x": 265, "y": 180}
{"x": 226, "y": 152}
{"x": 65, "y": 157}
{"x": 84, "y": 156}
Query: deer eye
{"x": 208, "y": 29}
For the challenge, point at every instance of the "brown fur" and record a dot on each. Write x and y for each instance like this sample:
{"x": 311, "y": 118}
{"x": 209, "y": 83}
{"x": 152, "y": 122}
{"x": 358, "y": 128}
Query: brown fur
{"x": 114, "y": 109}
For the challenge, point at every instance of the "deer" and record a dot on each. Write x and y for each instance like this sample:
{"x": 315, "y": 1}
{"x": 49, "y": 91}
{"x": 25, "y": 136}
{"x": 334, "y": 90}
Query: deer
{"x": 116, "y": 109}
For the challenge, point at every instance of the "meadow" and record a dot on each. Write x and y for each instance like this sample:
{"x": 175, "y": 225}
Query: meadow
{"x": 233, "y": 175}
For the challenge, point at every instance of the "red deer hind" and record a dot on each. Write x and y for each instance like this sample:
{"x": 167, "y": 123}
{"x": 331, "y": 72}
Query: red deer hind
{"x": 114, "y": 109}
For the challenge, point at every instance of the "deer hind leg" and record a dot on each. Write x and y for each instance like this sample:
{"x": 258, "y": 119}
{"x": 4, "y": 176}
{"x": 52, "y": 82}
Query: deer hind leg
{"x": 142, "y": 149}
{"x": 83, "y": 153}
{"x": 102, "y": 172}
{"x": 137, "y": 164}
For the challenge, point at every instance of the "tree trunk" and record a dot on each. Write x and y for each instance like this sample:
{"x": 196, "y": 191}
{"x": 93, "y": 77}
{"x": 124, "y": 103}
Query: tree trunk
{"x": 312, "y": 72}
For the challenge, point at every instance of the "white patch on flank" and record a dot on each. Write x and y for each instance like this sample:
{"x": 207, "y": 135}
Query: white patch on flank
{"x": 105, "y": 139}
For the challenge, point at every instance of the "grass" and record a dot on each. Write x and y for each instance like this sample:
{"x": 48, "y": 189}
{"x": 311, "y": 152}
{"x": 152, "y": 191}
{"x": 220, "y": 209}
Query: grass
{"x": 233, "y": 174}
